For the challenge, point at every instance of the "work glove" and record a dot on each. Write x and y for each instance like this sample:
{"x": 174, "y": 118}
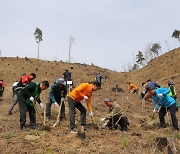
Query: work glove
{"x": 91, "y": 114}
{"x": 85, "y": 98}
{"x": 104, "y": 125}
{"x": 31, "y": 99}
{"x": 102, "y": 119}
{"x": 160, "y": 95}
{"x": 155, "y": 111}
{"x": 41, "y": 105}
{"x": 62, "y": 99}
{"x": 56, "y": 104}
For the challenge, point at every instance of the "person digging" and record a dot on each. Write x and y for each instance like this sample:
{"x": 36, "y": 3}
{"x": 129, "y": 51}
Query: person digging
{"x": 116, "y": 119}
{"x": 162, "y": 104}
{"x": 57, "y": 97}
{"x": 82, "y": 92}
{"x": 26, "y": 99}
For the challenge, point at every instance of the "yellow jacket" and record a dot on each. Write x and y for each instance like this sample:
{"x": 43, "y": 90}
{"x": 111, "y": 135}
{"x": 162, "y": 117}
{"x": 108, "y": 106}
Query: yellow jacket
{"x": 84, "y": 89}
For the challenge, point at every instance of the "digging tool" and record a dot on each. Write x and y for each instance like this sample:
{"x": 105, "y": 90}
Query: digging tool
{"x": 43, "y": 123}
{"x": 82, "y": 134}
{"x": 57, "y": 121}
{"x": 93, "y": 125}
{"x": 122, "y": 115}
{"x": 153, "y": 116}
{"x": 92, "y": 120}
{"x": 37, "y": 112}
{"x": 143, "y": 104}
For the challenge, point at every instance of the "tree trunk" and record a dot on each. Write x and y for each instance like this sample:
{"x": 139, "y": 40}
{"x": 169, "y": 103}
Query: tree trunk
{"x": 38, "y": 49}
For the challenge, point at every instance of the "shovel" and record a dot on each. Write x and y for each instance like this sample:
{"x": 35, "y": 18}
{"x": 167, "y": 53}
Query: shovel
{"x": 43, "y": 123}
{"x": 122, "y": 115}
{"x": 81, "y": 134}
{"x": 93, "y": 125}
{"x": 38, "y": 112}
{"x": 57, "y": 121}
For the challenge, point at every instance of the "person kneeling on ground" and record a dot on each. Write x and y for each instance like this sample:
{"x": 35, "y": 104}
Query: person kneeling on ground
{"x": 162, "y": 99}
{"x": 115, "y": 117}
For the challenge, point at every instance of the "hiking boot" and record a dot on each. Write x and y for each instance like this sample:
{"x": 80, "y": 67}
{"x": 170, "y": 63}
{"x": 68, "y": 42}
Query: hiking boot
{"x": 176, "y": 129}
{"x": 10, "y": 112}
{"x": 24, "y": 128}
{"x": 73, "y": 131}
{"x": 48, "y": 117}
{"x": 32, "y": 127}
{"x": 162, "y": 126}
{"x": 124, "y": 129}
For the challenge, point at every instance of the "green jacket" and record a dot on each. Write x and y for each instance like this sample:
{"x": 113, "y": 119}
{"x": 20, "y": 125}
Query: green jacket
{"x": 35, "y": 91}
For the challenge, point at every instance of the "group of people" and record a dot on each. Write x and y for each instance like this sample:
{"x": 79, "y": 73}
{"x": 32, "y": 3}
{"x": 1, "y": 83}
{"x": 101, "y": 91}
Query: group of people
{"x": 164, "y": 100}
{"x": 26, "y": 93}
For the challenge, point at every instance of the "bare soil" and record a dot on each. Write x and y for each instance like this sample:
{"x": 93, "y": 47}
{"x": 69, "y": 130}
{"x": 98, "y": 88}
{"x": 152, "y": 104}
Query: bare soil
{"x": 143, "y": 130}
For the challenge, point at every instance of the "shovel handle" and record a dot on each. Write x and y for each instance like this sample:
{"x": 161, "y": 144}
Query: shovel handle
{"x": 122, "y": 115}
{"x": 37, "y": 112}
{"x": 92, "y": 120}
{"x": 57, "y": 121}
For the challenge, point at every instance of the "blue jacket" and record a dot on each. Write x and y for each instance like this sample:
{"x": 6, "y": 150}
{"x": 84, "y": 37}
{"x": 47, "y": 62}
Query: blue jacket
{"x": 165, "y": 100}
{"x": 57, "y": 93}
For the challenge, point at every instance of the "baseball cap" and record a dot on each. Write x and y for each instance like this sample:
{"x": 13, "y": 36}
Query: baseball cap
{"x": 61, "y": 81}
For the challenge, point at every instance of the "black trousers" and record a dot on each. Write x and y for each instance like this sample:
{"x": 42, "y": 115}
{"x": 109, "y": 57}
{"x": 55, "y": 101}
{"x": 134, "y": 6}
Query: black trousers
{"x": 123, "y": 122}
{"x": 135, "y": 91}
{"x": 48, "y": 108}
{"x": 72, "y": 111}
{"x": 23, "y": 108}
{"x": 172, "y": 110}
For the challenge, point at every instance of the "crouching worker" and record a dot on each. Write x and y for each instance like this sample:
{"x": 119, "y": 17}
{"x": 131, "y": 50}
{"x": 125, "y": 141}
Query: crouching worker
{"x": 162, "y": 99}
{"x": 26, "y": 98}
{"x": 115, "y": 117}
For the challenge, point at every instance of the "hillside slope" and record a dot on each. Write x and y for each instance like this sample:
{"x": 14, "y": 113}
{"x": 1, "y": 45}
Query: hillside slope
{"x": 166, "y": 67}
{"x": 142, "y": 133}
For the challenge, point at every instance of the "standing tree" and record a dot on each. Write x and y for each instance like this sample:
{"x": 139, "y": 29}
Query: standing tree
{"x": 71, "y": 42}
{"x": 140, "y": 58}
{"x": 155, "y": 49}
{"x": 38, "y": 37}
{"x": 148, "y": 55}
{"x": 135, "y": 67}
{"x": 176, "y": 34}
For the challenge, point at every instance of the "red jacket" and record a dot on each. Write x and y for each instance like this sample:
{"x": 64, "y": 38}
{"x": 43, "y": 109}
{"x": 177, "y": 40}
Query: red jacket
{"x": 26, "y": 79}
{"x": 2, "y": 83}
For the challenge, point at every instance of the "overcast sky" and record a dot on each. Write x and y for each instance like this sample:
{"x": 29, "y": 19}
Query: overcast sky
{"x": 108, "y": 33}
